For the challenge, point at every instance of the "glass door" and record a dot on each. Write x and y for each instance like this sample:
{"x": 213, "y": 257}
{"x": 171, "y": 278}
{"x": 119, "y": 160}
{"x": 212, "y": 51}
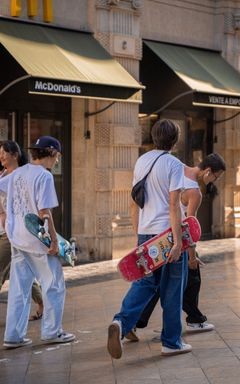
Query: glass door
{"x": 49, "y": 124}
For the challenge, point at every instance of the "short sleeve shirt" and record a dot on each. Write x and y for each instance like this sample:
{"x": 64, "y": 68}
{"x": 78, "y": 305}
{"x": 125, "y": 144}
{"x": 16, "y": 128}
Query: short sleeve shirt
{"x": 167, "y": 175}
{"x": 29, "y": 189}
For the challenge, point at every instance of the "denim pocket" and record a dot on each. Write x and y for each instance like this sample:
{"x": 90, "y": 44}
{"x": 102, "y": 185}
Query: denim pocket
{"x": 176, "y": 269}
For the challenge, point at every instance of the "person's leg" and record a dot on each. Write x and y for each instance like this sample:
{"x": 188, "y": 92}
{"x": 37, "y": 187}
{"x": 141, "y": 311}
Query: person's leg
{"x": 148, "y": 310}
{"x": 136, "y": 300}
{"x": 37, "y": 298}
{"x": 19, "y": 296}
{"x": 48, "y": 271}
{"x": 171, "y": 296}
{"x": 133, "y": 304}
{"x": 5, "y": 259}
{"x": 191, "y": 297}
{"x": 196, "y": 321}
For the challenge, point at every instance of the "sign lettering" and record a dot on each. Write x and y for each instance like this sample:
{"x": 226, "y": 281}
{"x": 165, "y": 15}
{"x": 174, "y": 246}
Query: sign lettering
{"x": 216, "y": 100}
{"x": 55, "y": 87}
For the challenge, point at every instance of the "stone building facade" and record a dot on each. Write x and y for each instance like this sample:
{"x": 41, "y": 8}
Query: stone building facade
{"x": 104, "y": 146}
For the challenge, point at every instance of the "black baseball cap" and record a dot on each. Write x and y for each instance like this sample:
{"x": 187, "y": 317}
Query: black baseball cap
{"x": 46, "y": 142}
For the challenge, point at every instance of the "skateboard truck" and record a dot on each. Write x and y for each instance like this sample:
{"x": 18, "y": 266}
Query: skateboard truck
{"x": 72, "y": 241}
{"x": 142, "y": 262}
{"x": 43, "y": 229}
{"x": 187, "y": 236}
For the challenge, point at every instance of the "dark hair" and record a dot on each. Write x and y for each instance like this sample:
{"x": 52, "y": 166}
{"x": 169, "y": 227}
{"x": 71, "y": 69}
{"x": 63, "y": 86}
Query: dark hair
{"x": 165, "y": 134}
{"x": 213, "y": 161}
{"x": 42, "y": 153}
{"x": 12, "y": 147}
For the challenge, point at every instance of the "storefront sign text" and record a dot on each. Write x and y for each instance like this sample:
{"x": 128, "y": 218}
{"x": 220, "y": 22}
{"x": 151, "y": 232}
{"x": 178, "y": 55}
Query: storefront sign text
{"x": 216, "y": 100}
{"x": 44, "y": 86}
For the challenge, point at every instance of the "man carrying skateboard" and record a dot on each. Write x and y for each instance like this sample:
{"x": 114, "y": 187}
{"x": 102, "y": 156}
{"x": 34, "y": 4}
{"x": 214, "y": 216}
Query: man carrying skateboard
{"x": 30, "y": 189}
{"x": 161, "y": 210}
{"x": 195, "y": 179}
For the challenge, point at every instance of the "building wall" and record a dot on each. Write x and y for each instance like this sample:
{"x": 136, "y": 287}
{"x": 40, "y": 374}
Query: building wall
{"x": 102, "y": 163}
{"x": 117, "y": 134}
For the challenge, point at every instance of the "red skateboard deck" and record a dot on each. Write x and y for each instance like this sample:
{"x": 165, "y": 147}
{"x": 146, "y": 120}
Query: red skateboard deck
{"x": 149, "y": 256}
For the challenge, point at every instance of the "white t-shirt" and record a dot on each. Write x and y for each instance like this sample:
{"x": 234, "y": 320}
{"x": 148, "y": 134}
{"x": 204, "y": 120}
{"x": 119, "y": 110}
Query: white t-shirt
{"x": 166, "y": 176}
{"x": 188, "y": 184}
{"x": 3, "y": 204}
{"x": 29, "y": 189}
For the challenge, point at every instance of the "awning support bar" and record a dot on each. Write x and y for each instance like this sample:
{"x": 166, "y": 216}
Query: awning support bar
{"x": 169, "y": 103}
{"x": 14, "y": 82}
{"x": 87, "y": 114}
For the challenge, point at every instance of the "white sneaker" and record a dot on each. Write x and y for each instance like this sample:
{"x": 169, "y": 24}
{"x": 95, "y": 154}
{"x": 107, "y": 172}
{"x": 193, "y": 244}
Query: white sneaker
{"x": 199, "y": 327}
{"x": 185, "y": 348}
{"x": 63, "y": 337}
{"x": 18, "y": 344}
{"x": 114, "y": 344}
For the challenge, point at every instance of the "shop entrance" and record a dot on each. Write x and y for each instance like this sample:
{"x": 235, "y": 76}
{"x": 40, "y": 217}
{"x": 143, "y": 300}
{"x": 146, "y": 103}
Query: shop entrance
{"x": 25, "y": 127}
{"x": 195, "y": 142}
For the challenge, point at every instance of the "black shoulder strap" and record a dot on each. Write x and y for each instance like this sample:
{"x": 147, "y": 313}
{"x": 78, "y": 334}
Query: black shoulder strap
{"x": 154, "y": 163}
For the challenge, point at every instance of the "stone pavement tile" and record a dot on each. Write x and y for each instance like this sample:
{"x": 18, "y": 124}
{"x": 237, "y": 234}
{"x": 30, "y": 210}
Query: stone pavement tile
{"x": 46, "y": 377}
{"x": 186, "y": 360}
{"x": 213, "y": 362}
{"x": 211, "y": 358}
{"x": 218, "y": 374}
{"x": 182, "y": 375}
{"x": 131, "y": 380}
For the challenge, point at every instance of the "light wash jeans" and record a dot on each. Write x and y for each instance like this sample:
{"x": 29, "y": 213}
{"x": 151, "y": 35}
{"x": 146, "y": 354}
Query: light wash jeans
{"x": 169, "y": 280}
{"x": 25, "y": 267}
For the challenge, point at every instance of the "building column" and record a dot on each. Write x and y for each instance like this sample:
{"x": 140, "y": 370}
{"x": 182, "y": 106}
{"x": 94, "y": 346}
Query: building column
{"x": 226, "y": 206}
{"x": 106, "y": 156}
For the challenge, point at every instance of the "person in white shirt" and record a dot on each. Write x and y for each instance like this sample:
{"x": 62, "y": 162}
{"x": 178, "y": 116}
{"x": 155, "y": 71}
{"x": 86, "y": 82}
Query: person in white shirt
{"x": 11, "y": 157}
{"x": 195, "y": 178}
{"x": 30, "y": 189}
{"x": 161, "y": 210}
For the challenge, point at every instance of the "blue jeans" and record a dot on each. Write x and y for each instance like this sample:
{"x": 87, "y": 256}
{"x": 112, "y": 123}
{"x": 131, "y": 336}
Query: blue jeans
{"x": 169, "y": 280}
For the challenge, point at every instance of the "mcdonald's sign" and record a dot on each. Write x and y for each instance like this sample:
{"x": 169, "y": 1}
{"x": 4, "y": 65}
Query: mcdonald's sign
{"x": 32, "y": 9}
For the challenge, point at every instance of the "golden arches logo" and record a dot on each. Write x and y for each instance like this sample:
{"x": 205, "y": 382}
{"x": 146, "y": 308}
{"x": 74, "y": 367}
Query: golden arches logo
{"x": 32, "y": 9}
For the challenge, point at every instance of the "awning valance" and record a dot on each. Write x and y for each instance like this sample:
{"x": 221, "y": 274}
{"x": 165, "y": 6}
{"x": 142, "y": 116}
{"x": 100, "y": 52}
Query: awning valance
{"x": 66, "y": 63}
{"x": 212, "y": 79}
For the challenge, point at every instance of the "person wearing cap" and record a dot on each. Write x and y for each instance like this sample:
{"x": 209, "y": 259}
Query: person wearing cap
{"x": 30, "y": 189}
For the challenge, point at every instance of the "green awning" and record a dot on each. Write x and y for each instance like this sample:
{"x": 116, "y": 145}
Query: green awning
{"x": 211, "y": 78}
{"x": 68, "y": 63}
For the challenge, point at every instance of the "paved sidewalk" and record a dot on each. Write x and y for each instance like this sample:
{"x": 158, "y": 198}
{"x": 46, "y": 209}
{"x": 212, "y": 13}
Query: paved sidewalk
{"x": 94, "y": 294}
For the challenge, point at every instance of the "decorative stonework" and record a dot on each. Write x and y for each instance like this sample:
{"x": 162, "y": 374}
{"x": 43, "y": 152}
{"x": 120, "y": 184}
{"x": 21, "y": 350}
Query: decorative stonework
{"x": 104, "y": 39}
{"x": 102, "y": 134}
{"x": 137, "y": 4}
{"x": 228, "y": 23}
{"x": 236, "y": 18}
{"x": 104, "y": 226}
{"x": 121, "y": 202}
{"x": 103, "y": 180}
{"x": 122, "y": 157}
{"x": 113, "y": 2}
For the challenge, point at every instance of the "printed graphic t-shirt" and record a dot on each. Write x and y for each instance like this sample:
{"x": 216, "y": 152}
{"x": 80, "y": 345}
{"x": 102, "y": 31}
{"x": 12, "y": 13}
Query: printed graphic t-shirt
{"x": 29, "y": 189}
{"x": 166, "y": 176}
